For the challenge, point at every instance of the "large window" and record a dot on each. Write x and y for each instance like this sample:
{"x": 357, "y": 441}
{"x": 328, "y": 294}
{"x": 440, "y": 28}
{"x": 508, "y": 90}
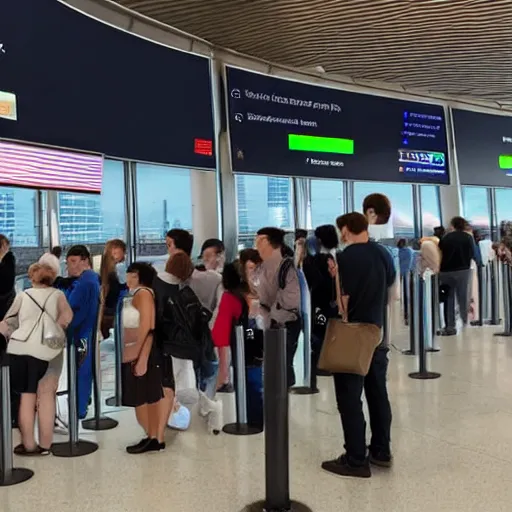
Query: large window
{"x": 94, "y": 219}
{"x": 430, "y": 209}
{"x": 400, "y": 196}
{"x": 164, "y": 201}
{"x": 503, "y": 205}
{"x": 326, "y": 201}
{"x": 476, "y": 208}
{"x": 262, "y": 201}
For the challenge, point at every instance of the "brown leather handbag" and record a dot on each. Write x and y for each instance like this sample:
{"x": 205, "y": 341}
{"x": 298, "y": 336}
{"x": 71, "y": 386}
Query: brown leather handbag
{"x": 348, "y": 347}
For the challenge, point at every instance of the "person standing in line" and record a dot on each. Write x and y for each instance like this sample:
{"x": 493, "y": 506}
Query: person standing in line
{"x": 458, "y": 249}
{"x": 7, "y": 275}
{"x": 366, "y": 272}
{"x": 113, "y": 283}
{"x": 84, "y": 298}
{"x": 213, "y": 255}
{"x": 279, "y": 291}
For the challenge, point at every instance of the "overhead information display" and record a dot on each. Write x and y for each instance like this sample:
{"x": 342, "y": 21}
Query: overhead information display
{"x": 283, "y": 127}
{"x": 71, "y": 81}
{"x": 484, "y": 148}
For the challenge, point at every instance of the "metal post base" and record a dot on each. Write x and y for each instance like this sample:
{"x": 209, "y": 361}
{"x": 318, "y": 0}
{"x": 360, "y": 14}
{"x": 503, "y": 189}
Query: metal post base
{"x": 241, "y": 429}
{"x": 112, "y": 402}
{"x": 493, "y": 322}
{"x": 408, "y": 352}
{"x": 303, "y": 390}
{"x": 68, "y": 449}
{"x": 260, "y": 506}
{"x": 424, "y": 375}
{"x": 503, "y": 334}
{"x": 16, "y": 476}
{"x": 103, "y": 423}
{"x": 433, "y": 349}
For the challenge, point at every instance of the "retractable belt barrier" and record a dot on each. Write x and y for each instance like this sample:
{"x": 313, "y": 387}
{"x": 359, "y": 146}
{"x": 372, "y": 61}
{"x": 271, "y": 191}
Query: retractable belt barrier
{"x": 277, "y": 457}
{"x": 425, "y": 326}
{"x": 74, "y": 447}
{"x": 8, "y": 474}
{"x": 98, "y": 422}
{"x": 116, "y": 400}
{"x": 240, "y": 427}
{"x": 506, "y": 293}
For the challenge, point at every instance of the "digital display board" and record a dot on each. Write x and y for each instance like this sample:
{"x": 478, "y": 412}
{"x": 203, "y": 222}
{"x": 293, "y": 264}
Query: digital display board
{"x": 484, "y": 148}
{"x": 283, "y": 127}
{"x": 71, "y": 81}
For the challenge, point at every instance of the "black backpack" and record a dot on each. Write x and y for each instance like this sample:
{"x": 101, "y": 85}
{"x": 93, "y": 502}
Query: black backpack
{"x": 183, "y": 329}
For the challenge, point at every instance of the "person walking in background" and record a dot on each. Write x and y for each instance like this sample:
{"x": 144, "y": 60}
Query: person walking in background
{"x": 7, "y": 275}
{"x": 457, "y": 248}
{"x": 279, "y": 291}
{"x": 366, "y": 272}
{"x": 113, "y": 283}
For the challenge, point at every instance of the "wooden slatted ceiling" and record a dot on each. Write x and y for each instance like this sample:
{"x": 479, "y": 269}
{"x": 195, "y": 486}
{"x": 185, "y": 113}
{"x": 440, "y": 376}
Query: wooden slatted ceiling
{"x": 453, "y": 47}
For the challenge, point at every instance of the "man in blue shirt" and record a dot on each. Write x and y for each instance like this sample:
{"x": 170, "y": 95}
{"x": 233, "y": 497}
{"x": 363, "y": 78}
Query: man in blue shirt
{"x": 366, "y": 272}
{"x": 83, "y": 296}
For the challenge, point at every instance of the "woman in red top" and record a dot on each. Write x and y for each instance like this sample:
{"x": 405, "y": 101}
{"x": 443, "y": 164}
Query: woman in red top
{"x": 234, "y": 310}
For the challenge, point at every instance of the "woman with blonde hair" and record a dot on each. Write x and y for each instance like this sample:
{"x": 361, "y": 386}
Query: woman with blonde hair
{"x": 35, "y": 327}
{"x": 112, "y": 284}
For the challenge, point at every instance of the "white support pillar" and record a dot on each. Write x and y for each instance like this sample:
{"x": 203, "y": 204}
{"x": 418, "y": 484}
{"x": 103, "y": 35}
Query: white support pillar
{"x": 204, "y": 207}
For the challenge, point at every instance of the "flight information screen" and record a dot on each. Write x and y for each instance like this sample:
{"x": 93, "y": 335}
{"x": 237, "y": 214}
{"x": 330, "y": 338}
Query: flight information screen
{"x": 71, "y": 81}
{"x": 283, "y": 127}
{"x": 484, "y": 148}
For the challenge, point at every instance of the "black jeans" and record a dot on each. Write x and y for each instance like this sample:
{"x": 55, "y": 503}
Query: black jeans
{"x": 293, "y": 330}
{"x": 317, "y": 340}
{"x": 349, "y": 388}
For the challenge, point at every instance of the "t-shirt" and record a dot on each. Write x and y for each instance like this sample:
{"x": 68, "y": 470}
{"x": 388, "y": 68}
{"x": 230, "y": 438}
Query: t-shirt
{"x": 457, "y": 250}
{"x": 366, "y": 272}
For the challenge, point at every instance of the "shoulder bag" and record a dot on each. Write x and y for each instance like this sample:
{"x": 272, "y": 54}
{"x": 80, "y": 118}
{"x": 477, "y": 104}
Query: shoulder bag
{"x": 348, "y": 347}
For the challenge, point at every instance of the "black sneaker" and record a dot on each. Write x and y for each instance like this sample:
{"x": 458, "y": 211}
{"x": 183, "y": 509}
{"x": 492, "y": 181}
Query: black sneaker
{"x": 226, "y": 388}
{"x": 448, "y": 332}
{"x": 340, "y": 466}
{"x": 132, "y": 447}
{"x": 381, "y": 459}
{"x": 149, "y": 445}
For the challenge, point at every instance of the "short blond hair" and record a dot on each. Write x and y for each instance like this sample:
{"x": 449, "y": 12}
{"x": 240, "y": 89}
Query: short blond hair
{"x": 41, "y": 273}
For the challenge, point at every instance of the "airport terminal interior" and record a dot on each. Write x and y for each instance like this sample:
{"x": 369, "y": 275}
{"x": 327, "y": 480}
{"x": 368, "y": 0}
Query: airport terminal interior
{"x": 126, "y": 119}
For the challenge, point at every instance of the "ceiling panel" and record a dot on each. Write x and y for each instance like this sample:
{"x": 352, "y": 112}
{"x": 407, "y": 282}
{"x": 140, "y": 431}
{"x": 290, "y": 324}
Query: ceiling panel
{"x": 454, "y": 47}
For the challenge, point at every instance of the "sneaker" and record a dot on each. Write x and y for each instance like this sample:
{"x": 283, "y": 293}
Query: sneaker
{"x": 381, "y": 459}
{"x": 132, "y": 447}
{"x": 180, "y": 419}
{"x": 226, "y": 388}
{"x": 340, "y": 466}
{"x": 148, "y": 445}
{"x": 448, "y": 332}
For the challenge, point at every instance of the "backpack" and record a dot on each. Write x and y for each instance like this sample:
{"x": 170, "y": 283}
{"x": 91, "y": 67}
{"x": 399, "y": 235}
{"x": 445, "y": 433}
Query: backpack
{"x": 183, "y": 327}
{"x": 287, "y": 264}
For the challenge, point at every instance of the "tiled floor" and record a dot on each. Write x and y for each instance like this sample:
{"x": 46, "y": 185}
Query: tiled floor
{"x": 452, "y": 441}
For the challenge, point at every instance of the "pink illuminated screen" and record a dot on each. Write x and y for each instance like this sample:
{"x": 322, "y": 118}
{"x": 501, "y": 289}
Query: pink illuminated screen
{"x": 37, "y": 167}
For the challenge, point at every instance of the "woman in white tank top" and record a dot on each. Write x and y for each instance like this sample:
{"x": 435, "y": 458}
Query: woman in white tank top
{"x": 33, "y": 313}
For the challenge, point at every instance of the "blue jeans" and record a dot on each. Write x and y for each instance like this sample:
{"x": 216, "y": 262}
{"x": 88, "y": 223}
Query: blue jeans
{"x": 84, "y": 383}
{"x": 206, "y": 378}
{"x": 254, "y": 392}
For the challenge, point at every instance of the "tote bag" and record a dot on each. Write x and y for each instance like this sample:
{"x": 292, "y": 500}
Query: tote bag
{"x": 348, "y": 347}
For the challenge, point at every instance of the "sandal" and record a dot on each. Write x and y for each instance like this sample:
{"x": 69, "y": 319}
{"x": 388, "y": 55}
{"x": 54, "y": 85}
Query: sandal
{"x": 38, "y": 451}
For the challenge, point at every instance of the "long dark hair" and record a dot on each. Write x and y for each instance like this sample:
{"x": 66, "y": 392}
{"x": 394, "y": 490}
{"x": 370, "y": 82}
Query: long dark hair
{"x": 232, "y": 280}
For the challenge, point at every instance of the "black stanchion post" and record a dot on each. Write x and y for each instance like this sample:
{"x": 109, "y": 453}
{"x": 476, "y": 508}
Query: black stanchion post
{"x": 495, "y": 293}
{"x": 277, "y": 463}
{"x": 425, "y": 311}
{"x": 240, "y": 427}
{"x": 505, "y": 287}
{"x": 74, "y": 447}
{"x": 116, "y": 400}
{"x": 99, "y": 422}
{"x": 8, "y": 474}
{"x": 413, "y": 314}
{"x": 481, "y": 297}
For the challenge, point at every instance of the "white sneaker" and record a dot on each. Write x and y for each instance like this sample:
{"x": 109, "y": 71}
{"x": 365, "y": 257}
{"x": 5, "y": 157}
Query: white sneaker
{"x": 213, "y": 411}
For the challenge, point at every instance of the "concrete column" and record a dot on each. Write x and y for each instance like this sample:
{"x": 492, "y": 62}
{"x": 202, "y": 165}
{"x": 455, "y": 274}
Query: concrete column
{"x": 204, "y": 207}
{"x": 302, "y": 193}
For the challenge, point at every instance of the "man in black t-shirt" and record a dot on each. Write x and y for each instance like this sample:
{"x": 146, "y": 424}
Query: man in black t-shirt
{"x": 458, "y": 249}
{"x": 366, "y": 272}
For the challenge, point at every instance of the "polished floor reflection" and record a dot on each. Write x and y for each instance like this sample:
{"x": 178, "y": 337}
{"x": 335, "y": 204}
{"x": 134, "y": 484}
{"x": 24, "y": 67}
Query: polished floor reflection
{"x": 452, "y": 442}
